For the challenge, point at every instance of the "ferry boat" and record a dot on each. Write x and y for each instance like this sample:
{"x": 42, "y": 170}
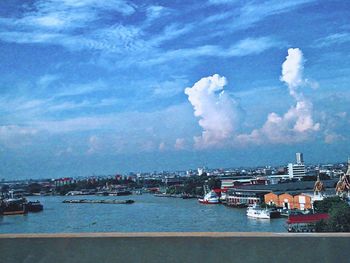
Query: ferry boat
{"x": 256, "y": 211}
{"x": 210, "y": 198}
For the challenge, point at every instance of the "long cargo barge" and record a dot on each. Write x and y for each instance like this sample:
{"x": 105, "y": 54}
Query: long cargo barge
{"x": 87, "y": 201}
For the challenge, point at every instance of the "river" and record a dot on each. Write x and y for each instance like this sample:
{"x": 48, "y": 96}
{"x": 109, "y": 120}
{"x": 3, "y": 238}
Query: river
{"x": 147, "y": 214}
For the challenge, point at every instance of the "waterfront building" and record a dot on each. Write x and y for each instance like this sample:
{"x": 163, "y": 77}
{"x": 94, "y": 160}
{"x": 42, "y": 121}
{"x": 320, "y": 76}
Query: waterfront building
{"x": 286, "y": 201}
{"x": 302, "y": 202}
{"x": 244, "y": 197}
{"x": 272, "y": 199}
{"x": 289, "y": 201}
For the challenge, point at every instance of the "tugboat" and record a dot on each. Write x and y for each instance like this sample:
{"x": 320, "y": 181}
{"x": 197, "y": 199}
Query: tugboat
{"x": 14, "y": 206}
{"x": 18, "y": 205}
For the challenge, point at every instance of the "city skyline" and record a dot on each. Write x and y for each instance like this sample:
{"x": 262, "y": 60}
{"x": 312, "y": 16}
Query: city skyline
{"x": 116, "y": 86}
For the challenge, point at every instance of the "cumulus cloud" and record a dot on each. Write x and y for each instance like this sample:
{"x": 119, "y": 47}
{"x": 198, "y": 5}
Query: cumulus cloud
{"x": 297, "y": 123}
{"x": 219, "y": 114}
{"x": 216, "y": 110}
{"x": 292, "y": 70}
{"x": 180, "y": 144}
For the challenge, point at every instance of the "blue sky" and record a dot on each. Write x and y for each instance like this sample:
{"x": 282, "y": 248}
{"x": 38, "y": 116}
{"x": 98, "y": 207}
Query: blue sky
{"x": 100, "y": 87}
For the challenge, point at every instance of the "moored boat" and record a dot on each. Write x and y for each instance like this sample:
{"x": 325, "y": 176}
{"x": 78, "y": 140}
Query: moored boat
{"x": 210, "y": 198}
{"x": 34, "y": 206}
{"x": 256, "y": 211}
{"x": 14, "y": 206}
{"x": 304, "y": 222}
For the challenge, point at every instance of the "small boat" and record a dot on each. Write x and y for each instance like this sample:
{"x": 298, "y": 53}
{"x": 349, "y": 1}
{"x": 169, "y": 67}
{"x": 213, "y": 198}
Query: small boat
{"x": 34, "y": 206}
{"x": 256, "y": 211}
{"x": 210, "y": 198}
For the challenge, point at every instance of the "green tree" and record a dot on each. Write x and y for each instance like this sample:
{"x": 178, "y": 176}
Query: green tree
{"x": 339, "y": 218}
{"x": 214, "y": 183}
{"x": 326, "y": 204}
{"x": 339, "y": 215}
{"x": 34, "y": 188}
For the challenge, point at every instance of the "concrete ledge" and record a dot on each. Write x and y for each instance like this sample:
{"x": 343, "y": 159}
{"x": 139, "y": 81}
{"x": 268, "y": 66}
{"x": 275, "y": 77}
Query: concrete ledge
{"x": 175, "y": 247}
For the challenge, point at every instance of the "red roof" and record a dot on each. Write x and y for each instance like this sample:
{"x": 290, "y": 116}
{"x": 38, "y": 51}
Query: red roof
{"x": 311, "y": 218}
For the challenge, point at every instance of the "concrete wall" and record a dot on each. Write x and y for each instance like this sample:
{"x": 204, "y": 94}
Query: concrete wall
{"x": 175, "y": 247}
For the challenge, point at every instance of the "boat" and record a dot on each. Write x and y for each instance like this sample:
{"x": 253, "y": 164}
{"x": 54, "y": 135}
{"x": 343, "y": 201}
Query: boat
{"x": 210, "y": 198}
{"x": 87, "y": 201}
{"x": 13, "y": 206}
{"x": 298, "y": 222}
{"x": 34, "y": 206}
{"x": 119, "y": 193}
{"x": 256, "y": 211}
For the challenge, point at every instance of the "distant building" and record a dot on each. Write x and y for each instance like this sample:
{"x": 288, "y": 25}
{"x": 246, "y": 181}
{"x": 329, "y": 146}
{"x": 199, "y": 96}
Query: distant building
{"x": 297, "y": 170}
{"x": 267, "y": 171}
{"x": 200, "y": 171}
{"x": 300, "y": 158}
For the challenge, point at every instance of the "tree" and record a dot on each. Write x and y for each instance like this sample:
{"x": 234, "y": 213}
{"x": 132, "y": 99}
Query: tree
{"x": 339, "y": 218}
{"x": 339, "y": 215}
{"x": 214, "y": 183}
{"x": 326, "y": 204}
{"x": 34, "y": 188}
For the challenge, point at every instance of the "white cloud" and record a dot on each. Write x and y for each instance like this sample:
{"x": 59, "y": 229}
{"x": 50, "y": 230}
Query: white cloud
{"x": 156, "y": 11}
{"x": 292, "y": 69}
{"x": 333, "y": 137}
{"x": 217, "y": 112}
{"x": 337, "y": 38}
{"x": 94, "y": 144}
{"x": 245, "y": 47}
{"x": 14, "y": 136}
{"x": 180, "y": 144}
{"x": 168, "y": 89}
{"x": 297, "y": 123}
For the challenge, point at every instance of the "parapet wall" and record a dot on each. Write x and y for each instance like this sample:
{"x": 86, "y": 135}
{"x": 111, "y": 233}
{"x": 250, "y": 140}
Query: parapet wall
{"x": 175, "y": 247}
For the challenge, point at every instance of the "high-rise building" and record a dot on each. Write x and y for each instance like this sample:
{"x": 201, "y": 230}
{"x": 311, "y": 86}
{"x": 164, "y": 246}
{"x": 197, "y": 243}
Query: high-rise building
{"x": 300, "y": 158}
{"x": 297, "y": 170}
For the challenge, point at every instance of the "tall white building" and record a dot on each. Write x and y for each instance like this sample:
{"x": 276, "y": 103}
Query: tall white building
{"x": 297, "y": 170}
{"x": 300, "y": 158}
{"x": 200, "y": 171}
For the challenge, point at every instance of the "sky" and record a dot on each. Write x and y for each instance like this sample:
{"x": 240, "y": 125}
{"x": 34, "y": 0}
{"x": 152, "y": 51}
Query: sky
{"x": 104, "y": 87}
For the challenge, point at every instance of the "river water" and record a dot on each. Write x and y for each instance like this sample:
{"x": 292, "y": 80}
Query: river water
{"x": 147, "y": 214}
